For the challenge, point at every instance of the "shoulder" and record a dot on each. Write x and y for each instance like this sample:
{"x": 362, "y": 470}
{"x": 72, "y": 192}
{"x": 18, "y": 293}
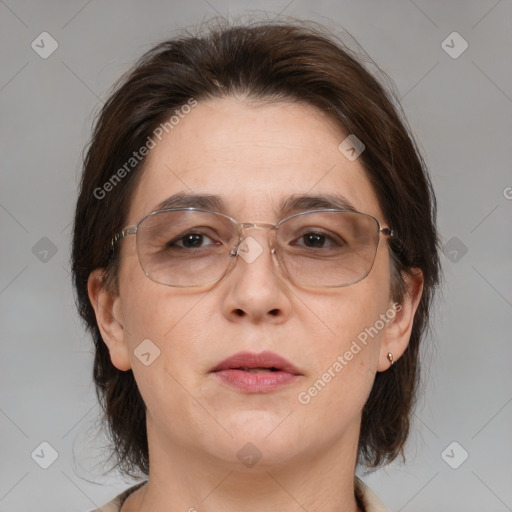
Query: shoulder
{"x": 116, "y": 503}
{"x": 364, "y": 494}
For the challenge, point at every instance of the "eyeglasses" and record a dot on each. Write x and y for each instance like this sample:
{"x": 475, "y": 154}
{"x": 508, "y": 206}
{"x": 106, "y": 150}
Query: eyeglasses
{"x": 190, "y": 247}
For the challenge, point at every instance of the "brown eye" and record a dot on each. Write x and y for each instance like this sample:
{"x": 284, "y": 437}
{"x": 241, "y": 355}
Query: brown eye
{"x": 192, "y": 240}
{"x": 314, "y": 240}
{"x": 318, "y": 240}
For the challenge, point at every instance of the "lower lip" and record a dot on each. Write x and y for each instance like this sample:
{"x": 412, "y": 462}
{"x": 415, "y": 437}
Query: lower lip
{"x": 262, "y": 382}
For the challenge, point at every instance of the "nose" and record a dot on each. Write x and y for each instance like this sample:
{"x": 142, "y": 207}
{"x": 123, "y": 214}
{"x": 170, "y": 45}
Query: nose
{"x": 255, "y": 290}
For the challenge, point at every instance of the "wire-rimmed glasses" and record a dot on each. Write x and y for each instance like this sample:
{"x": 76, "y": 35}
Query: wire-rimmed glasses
{"x": 191, "y": 247}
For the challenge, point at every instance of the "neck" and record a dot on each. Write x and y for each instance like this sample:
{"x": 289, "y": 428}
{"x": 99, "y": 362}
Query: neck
{"x": 194, "y": 482}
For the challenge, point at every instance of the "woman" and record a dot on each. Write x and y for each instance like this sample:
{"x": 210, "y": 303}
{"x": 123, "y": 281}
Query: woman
{"x": 255, "y": 254}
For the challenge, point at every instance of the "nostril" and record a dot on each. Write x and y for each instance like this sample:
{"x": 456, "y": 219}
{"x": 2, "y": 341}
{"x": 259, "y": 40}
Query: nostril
{"x": 274, "y": 312}
{"x": 239, "y": 312}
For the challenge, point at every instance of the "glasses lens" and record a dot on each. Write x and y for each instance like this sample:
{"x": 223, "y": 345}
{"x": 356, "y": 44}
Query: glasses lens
{"x": 328, "y": 249}
{"x": 185, "y": 248}
{"x": 192, "y": 248}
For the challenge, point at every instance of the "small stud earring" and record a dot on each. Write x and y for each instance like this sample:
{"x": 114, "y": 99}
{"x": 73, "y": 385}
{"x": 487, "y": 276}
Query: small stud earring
{"x": 390, "y": 359}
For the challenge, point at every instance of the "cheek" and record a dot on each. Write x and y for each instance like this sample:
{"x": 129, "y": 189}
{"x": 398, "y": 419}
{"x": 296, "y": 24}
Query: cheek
{"x": 346, "y": 345}
{"x": 344, "y": 366}
{"x": 161, "y": 326}
{"x": 163, "y": 332}
{"x": 349, "y": 312}
{"x": 151, "y": 310}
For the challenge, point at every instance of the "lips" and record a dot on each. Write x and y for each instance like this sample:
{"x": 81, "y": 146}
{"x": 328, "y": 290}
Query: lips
{"x": 257, "y": 363}
{"x": 256, "y": 373}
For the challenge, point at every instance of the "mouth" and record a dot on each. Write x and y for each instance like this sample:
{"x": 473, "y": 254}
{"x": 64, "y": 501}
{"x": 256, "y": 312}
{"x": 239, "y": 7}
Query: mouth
{"x": 256, "y": 363}
{"x": 257, "y": 370}
{"x": 256, "y": 373}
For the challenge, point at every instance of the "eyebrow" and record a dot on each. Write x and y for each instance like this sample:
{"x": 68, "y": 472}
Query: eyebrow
{"x": 287, "y": 206}
{"x": 187, "y": 200}
{"x": 297, "y": 202}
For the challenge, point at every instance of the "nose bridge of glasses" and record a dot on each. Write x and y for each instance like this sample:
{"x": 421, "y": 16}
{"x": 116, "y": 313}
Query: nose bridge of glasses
{"x": 256, "y": 225}
{"x": 245, "y": 227}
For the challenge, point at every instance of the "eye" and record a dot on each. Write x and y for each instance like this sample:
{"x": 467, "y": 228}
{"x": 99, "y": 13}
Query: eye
{"x": 318, "y": 240}
{"x": 192, "y": 240}
{"x": 314, "y": 239}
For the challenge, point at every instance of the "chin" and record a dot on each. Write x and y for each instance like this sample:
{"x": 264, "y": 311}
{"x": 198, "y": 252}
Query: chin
{"x": 262, "y": 438}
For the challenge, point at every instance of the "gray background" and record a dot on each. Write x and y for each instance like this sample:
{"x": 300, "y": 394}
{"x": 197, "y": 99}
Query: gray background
{"x": 461, "y": 112}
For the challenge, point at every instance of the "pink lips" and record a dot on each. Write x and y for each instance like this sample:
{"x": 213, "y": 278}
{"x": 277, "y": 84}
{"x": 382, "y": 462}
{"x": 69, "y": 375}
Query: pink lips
{"x": 256, "y": 373}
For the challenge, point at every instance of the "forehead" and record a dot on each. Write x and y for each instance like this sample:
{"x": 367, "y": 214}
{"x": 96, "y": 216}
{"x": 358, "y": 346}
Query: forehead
{"x": 255, "y": 158}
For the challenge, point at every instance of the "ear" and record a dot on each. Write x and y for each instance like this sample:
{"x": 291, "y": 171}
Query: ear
{"x": 398, "y": 331}
{"x": 107, "y": 307}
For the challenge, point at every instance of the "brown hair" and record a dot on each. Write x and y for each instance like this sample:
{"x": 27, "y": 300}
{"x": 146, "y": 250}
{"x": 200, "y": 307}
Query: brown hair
{"x": 264, "y": 62}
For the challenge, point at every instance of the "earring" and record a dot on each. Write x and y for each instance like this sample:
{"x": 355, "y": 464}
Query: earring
{"x": 390, "y": 359}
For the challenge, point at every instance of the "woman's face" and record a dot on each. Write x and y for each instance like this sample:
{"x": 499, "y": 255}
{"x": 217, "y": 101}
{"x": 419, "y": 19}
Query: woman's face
{"x": 253, "y": 158}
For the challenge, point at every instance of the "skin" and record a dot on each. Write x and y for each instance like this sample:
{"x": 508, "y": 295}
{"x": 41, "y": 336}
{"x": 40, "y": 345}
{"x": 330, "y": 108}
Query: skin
{"x": 253, "y": 155}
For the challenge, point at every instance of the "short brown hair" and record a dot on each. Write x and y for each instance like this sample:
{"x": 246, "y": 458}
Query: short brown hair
{"x": 264, "y": 62}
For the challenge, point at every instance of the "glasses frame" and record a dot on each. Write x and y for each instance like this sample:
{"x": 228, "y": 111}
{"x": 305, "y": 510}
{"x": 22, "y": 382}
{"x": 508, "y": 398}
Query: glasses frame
{"x": 241, "y": 227}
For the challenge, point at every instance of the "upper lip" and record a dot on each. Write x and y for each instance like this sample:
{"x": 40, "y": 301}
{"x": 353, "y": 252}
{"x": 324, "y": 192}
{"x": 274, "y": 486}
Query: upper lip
{"x": 252, "y": 360}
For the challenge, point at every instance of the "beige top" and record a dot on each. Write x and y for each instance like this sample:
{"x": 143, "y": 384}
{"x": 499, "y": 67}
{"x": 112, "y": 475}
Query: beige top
{"x": 366, "y": 497}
